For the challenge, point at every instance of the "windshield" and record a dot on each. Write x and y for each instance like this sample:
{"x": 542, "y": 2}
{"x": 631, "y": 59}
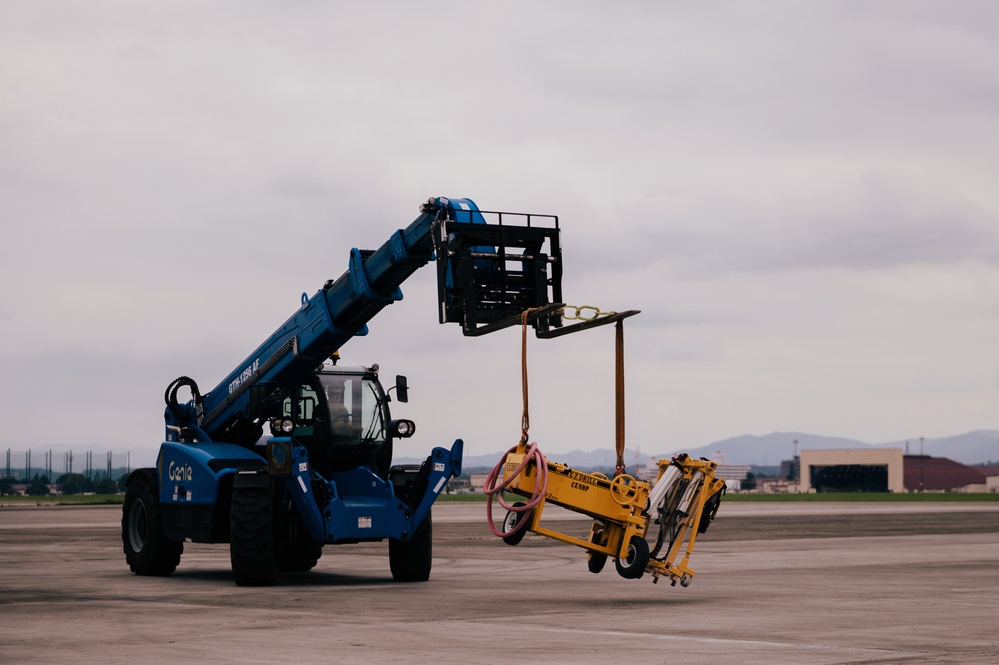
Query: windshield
{"x": 355, "y": 409}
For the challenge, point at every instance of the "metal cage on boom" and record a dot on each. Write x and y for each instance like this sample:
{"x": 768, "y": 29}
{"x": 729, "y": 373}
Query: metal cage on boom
{"x": 492, "y": 266}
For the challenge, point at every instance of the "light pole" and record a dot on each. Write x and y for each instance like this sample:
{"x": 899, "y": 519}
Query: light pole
{"x": 920, "y": 464}
{"x": 794, "y": 464}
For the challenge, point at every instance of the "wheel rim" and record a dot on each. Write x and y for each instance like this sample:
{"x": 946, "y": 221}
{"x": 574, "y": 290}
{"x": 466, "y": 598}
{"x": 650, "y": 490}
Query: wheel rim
{"x": 510, "y": 521}
{"x": 137, "y": 525}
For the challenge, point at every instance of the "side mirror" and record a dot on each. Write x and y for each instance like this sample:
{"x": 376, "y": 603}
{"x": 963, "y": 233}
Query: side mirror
{"x": 401, "y": 389}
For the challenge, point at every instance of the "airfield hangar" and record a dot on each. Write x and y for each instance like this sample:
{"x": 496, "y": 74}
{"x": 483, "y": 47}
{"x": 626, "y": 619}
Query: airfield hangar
{"x": 885, "y": 470}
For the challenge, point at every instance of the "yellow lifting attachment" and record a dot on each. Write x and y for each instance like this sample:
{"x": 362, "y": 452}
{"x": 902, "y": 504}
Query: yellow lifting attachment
{"x": 642, "y": 526}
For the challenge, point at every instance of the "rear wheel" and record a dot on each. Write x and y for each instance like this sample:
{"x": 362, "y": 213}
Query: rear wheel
{"x": 251, "y": 537}
{"x": 147, "y": 549}
{"x": 633, "y": 566}
{"x": 410, "y": 560}
{"x": 595, "y": 560}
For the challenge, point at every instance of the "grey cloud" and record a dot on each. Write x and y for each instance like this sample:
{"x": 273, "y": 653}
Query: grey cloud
{"x": 881, "y": 223}
{"x": 189, "y": 168}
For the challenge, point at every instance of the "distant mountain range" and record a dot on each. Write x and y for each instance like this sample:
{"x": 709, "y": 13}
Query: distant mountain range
{"x": 976, "y": 447}
{"x": 971, "y": 448}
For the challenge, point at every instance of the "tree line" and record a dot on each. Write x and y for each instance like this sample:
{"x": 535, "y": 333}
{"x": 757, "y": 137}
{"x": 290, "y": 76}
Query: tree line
{"x": 67, "y": 483}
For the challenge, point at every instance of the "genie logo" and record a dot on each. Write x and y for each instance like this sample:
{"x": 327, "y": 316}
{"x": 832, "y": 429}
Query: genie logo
{"x": 180, "y": 472}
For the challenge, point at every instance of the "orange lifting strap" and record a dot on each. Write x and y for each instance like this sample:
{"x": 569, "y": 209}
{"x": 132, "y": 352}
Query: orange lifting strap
{"x": 599, "y": 318}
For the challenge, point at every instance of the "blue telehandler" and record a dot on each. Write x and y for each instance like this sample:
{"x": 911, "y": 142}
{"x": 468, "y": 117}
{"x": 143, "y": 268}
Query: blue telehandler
{"x": 291, "y": 451}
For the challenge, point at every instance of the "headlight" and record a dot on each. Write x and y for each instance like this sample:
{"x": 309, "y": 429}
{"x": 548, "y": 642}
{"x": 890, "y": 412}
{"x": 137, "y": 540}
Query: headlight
{"x": 282, "y": 426}
{"x": 403, "y": 428}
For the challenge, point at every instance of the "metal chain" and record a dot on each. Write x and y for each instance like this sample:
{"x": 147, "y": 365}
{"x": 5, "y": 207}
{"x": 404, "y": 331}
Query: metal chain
{"x": 580, "y": 312}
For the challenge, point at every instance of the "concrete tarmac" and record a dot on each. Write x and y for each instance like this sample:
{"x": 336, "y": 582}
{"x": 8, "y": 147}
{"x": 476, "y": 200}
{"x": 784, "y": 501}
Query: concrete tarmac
{"x": 795, "y": 584}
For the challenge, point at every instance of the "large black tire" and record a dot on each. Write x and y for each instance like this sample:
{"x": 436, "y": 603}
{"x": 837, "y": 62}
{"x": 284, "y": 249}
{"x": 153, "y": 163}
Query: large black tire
{"x": 410, "y": 560}
{"x": 633, "y": 566}
{"x": 147, "y": 549}
{"x": 251, "y": 537}
{"x": 298, "y": 557}
{"x": 595, "y": 561}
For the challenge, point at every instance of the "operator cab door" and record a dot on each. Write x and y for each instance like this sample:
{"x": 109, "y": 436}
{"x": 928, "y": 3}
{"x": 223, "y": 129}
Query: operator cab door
{"x": 306, "y": 408}
{"x": 341, "y": 420}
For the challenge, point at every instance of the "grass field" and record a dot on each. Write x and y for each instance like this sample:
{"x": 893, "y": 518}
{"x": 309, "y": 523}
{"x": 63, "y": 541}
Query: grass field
{"x": 797, "y": 498}
{"x": 118, "y": 499}
{"x": 60, "y": 500}
{"x": 933, "y": 497}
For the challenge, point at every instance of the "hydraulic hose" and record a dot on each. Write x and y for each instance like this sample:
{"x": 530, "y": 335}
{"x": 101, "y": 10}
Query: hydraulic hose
{"x": 533, "y": 453}
{"x": 171, "y": 398}
{"x": 492, "y": 489}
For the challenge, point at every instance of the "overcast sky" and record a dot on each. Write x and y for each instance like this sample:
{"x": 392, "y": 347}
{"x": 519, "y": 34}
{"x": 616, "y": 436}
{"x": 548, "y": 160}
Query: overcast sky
{"x": 800, "y": 197}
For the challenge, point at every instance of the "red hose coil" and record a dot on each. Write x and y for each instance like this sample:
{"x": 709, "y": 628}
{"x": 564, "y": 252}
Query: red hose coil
{"x": 540, "y": 488}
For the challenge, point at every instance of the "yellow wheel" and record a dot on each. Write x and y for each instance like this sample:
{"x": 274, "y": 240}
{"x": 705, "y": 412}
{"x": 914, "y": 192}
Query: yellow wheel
{"x": 624, "y": 489}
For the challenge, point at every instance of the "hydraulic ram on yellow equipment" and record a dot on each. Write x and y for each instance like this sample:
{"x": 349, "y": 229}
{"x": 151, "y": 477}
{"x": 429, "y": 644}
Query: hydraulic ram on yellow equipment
{"x": 627, "y": 513}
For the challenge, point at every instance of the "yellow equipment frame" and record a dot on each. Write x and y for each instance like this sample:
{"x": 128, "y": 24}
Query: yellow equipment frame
{"x": 681, "y": 503}
{"x": 686, "y": 496}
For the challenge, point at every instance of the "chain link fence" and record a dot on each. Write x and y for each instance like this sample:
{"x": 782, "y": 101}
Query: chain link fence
{"x": 70, "y": 472}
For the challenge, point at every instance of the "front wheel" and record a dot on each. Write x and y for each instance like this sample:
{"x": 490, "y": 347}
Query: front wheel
{"x": 147, "y": 549}
{"x": 510, "y": 523}
{"x": 410, "y": 560}
{"x": 633, "y": 566}
{"x": 251, "y": 537}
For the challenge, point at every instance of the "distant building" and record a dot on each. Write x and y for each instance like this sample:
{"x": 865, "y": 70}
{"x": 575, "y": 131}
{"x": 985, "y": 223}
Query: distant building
{"x": 789, "y": 468}
{"x": 884, "y": 470}
{"x": 732, "y": 472}
{"x": 477, "y": 481}
{"x": 939, "y": 474}
{"x": 991, "y": 473}
{"x": 851, "y": 470}
{"x": 459, "y": 485}
{"x": 647, "y": 471}
{"x": 774, "y": 486}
